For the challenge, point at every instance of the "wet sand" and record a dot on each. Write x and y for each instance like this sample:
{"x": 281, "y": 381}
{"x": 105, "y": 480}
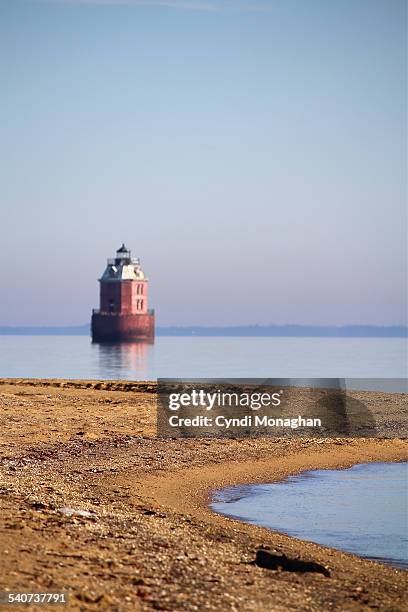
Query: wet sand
{"x": 151, "y": 542}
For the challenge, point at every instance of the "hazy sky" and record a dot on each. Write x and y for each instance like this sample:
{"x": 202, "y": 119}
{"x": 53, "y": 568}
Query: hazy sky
{"x": 251, "y": 153}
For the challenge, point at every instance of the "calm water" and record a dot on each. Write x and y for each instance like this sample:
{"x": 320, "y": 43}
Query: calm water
{"x": 77, "y": 357}
{"x": 362, "y": 510}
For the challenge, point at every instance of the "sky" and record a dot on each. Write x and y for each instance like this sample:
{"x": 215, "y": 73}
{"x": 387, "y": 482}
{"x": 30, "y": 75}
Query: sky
{"x": 252, "y": 153}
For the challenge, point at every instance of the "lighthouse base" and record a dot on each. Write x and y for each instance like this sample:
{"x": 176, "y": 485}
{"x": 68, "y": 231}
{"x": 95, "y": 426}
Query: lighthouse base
{"x": 107, "y": 327}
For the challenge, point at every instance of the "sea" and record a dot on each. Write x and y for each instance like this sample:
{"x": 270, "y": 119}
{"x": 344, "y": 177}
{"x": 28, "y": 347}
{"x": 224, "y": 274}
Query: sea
{"x": 76, "y": 357}
{"x": 362, "y": 510}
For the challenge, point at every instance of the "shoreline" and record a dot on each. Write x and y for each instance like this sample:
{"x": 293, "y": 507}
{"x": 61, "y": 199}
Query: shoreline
{"x": 150, "y": 541}
{"x": 253, "y": 495}
{"x": 191, "y": 490}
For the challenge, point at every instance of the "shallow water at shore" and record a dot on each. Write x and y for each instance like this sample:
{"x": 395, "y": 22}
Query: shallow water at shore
{"x": 362, "y": 510}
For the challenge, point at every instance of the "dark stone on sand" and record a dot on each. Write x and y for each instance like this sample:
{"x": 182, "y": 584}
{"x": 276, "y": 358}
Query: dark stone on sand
{"x": 272, "y": 561}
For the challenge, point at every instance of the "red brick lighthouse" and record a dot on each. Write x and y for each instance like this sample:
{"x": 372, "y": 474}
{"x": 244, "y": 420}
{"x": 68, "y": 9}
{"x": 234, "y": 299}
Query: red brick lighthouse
{"x": 123, "y": 315}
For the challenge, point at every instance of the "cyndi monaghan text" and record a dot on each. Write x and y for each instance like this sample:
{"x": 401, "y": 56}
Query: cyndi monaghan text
{"x": 246, "y": 421}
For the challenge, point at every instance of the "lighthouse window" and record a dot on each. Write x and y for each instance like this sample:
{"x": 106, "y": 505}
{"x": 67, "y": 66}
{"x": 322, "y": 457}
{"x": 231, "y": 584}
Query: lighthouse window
{"x": 141, "y": 304}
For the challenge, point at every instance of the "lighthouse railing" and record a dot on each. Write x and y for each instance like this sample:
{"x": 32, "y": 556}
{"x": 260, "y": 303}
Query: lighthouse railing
{"x": 150, "y": 311}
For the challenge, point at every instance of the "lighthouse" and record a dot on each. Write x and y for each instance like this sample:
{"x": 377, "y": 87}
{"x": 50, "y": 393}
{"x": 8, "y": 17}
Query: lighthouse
{"x": 123, "y": 315}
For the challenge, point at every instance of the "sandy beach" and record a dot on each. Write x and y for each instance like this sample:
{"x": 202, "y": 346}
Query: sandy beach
{"x": 148, "y": 539}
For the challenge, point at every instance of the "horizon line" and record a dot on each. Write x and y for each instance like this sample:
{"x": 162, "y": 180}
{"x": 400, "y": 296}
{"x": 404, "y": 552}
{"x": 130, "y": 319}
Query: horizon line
{"x": 209, "y": 326}
{"x": 243, "y": 331}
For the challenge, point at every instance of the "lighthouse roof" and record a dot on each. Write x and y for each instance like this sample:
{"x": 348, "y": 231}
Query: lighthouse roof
{"x": 122, "y": 267}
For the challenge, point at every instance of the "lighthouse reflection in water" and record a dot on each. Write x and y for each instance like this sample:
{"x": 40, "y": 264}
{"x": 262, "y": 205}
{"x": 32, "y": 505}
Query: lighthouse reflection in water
{"x": 121, "y": 359}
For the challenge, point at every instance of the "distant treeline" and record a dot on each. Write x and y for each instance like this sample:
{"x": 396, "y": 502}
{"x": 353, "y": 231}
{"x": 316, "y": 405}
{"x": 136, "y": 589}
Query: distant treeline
{"x": 296, "y": 331}
{"x": 75, "y": 330}
{"x": 347, "y": 331}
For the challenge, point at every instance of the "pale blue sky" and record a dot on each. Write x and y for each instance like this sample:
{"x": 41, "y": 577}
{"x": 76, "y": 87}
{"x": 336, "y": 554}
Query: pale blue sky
{"x": 251, "y": 153}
